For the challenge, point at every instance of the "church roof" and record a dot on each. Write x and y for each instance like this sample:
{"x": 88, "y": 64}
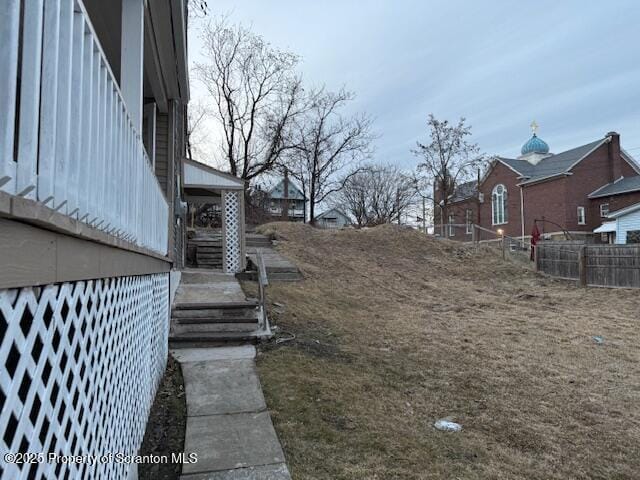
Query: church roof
{"x": 552, "y": 165}
{"x": 464, "y": 191}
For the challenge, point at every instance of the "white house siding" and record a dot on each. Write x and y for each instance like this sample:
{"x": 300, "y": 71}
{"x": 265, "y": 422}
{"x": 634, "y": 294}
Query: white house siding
{"x": 340, "y": 219}
{"x": 81, "y": 365}
{"x": 626, "y": 223}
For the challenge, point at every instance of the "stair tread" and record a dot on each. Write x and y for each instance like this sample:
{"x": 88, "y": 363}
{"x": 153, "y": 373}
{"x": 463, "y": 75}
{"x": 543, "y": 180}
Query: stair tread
{"x": 215, "y": 306}
{"x": 212, "y": 336}
{"x": 218, "y": 321}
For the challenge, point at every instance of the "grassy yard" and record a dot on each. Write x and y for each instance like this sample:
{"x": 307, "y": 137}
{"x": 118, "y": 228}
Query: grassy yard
{"x": 394, "y": 330}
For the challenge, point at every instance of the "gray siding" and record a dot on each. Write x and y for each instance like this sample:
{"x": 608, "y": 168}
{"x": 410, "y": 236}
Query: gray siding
{"x": 162, "y": 151}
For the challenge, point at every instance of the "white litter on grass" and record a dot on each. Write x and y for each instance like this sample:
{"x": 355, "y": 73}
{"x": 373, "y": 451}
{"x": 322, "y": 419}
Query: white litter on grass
{"x": 447, "y": 425}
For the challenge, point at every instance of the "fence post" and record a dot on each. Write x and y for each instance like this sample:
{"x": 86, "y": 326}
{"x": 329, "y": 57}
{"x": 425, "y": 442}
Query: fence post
{"x": 582, "y": 267}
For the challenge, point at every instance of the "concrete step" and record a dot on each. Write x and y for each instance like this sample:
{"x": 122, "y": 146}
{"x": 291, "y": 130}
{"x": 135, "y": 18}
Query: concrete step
{"x": 215, "y": 306}
{"x": 180, "y": 329}
{"x": 224, "y": 320}
{"x": 216, "y": 313}
{"x": 272, "y": 276}
{"x": 203, "y": 277}
{"x": 196, "y": 340}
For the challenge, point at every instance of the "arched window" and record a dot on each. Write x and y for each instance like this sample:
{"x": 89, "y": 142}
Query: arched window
{"x": 499, "y": 204}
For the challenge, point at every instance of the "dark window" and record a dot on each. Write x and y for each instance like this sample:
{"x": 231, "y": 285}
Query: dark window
{"x": 633, "y": 236}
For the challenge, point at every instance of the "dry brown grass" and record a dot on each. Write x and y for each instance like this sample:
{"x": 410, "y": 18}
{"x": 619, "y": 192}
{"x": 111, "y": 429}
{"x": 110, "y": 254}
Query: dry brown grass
{"x": 395, "y": 330}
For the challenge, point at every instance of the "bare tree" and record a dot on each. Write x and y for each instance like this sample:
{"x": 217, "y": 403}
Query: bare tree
{"x": 327, "y": 142}
{"x": 255, "y": 93}
{"x": 197, "y": 8}
{"x": 197, "y": 115}
{"x": 377, "y": 194}
{"x": 447, "y": 160}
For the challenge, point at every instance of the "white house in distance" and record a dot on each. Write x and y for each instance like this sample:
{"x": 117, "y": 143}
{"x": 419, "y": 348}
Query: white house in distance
{"x": 627, "y": 224}
{"x": 332, "y": 218}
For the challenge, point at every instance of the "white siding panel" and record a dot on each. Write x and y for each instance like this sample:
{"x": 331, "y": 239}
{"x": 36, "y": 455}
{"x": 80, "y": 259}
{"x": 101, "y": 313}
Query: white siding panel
{"x": 625, "y": 224}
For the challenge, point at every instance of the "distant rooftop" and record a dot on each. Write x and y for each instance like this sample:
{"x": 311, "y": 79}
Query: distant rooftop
{"x": 623, "y": 185}
{"x": 277, "y": 192}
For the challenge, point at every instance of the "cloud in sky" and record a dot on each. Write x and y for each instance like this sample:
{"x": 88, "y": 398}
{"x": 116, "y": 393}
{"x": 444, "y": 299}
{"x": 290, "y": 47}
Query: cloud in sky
{"x": 573, "y": 66}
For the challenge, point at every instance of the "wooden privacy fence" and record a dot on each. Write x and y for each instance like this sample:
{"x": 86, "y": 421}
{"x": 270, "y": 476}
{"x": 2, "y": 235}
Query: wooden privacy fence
{"x": 595, "y": 265}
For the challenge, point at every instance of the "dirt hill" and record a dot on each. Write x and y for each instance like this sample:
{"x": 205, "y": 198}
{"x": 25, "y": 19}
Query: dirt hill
{"x": 394, "y": 330}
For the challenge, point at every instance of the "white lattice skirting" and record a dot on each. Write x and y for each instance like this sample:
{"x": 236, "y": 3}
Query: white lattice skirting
{"x": 233, "y": 260}
{"x": 79, "y": 367}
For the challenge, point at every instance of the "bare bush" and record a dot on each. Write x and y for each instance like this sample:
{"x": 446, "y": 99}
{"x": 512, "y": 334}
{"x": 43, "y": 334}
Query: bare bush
{"x": 376, "y": 195}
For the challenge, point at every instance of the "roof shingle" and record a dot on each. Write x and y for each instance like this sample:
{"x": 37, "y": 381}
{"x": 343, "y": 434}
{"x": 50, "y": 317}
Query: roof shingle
{"x": 551, "y": 165}
{"x": 623, "y": 185}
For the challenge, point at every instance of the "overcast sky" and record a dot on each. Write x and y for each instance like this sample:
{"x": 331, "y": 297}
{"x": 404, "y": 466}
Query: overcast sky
{"x": 573, "y": 66}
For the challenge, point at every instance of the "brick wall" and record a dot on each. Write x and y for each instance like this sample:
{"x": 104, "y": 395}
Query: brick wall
{"x": 501, "y": 174}
{"x": 546, "y": 201}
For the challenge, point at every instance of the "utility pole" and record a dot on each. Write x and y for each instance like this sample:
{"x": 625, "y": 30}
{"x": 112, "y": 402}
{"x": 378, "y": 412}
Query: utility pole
{"x": 398, "y": 203}
{"x": 285, "y": 201}
{"x": 424, "y": 215}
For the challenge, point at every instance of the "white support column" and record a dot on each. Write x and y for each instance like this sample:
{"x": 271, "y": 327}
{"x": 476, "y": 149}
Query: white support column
{"x": 132, "y": 59}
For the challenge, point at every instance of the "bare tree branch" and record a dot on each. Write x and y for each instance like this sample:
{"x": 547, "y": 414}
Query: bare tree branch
{"x": 255, "y": 93}
{"x": 376, "y": 194}
{"x": 327, "y": 143}
{"x": 446, "y": 161}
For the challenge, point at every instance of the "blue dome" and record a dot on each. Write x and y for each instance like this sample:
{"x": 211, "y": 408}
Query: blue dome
{"x": 535, "y": 145}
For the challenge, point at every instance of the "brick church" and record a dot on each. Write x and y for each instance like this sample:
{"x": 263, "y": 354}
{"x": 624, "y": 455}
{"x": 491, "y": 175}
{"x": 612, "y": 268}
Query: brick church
{"x": 571, "y": 191}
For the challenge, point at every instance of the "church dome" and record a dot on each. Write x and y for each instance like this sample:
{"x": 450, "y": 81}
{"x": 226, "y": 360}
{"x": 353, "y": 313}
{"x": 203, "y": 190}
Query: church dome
{"x": 535, "y": 145}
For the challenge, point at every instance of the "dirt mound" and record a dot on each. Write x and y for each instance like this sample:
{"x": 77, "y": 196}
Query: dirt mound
{"x": 321, "y": 252}
{"x": 392, "y": 330}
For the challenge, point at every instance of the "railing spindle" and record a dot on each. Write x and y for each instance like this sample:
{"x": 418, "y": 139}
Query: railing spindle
{"x": 9, "y": 36}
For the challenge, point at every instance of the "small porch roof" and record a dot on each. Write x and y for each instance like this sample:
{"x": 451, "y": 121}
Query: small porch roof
{"x": 606, "y": 227}
{"x": 200, "y": 177}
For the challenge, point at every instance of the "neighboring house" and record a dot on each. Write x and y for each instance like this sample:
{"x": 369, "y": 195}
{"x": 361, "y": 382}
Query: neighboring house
{"x": 572, "y": 190}
{"x": 333, "y": 218}
{"x": 93, "y": 98}
{"x": 295, "y": 199}
{"x": 627, "y": 224}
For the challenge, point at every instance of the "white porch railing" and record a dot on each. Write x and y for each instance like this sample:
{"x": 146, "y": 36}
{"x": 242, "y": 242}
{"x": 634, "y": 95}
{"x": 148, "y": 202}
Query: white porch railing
{"x": 66, "y": 137}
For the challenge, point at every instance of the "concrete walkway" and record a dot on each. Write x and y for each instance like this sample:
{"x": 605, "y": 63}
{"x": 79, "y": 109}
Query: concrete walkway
{"x": 228, "y": 425}
{"x": 277, "y": 266}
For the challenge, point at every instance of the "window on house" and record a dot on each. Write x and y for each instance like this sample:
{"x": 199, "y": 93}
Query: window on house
{"x": 499, "y": 204}
{"x": 604, "y": 209}
{"x": 633, "y": 236}
{"x": 469, "y": 220}
{"x": 582, "y": 217}
{"x": 452, "y": 231}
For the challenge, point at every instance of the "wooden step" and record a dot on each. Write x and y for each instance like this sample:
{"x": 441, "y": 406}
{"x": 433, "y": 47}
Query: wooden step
{"x": 224, "y": 320}
{"x": 211, "y": 339}
{"x": 215, "y": 306}
{"x": 179, "y": 329}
